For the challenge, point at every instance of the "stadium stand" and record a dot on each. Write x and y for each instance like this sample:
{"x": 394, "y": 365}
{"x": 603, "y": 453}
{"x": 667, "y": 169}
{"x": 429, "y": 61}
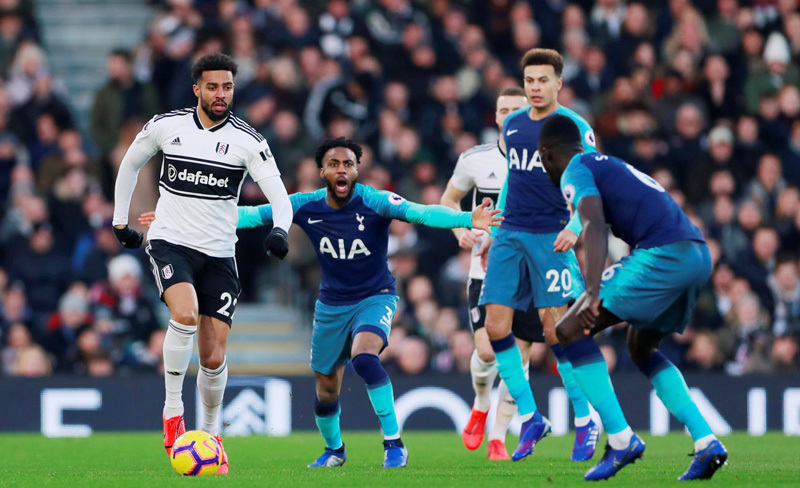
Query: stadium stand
{"x": 703, "y": 95}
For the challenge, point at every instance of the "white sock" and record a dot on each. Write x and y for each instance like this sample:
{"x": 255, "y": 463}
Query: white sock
{"x": 178, "y": 344}
{"x": 483, "y": 375}
{"x": 703, "y": 442}
{"x": 506, "y": 408}
{"x": 211, "y": 385}
{"x": 582, "y": 421}
{"x": 621, "y": 439}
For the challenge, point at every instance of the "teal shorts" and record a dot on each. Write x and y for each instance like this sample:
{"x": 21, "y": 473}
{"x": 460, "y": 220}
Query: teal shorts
{"x": 657, "y": 288}
{"x": 523, "y": 267}
{"x": 335, "y": 327}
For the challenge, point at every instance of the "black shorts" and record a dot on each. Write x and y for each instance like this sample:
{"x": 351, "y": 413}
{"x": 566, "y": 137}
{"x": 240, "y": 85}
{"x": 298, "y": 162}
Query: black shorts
{"x": 526, "y": 325}
{"x": 215, "y": 280}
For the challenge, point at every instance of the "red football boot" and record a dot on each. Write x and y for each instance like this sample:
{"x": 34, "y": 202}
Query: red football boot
{"x": 497, "y": 450}
{"x": 223, "y": 462}
{"x": 174, "y": 427}
{"x": 474, "y": 430}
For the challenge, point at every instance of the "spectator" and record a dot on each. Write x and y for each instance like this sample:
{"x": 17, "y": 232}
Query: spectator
{"x": 778, "y": 71}
{"x": 131, "y": 314}
{"x": 785, "y": 286}
{"x": 769, "y": 183}
{"x": 121, "y": 98}
{"x": 64, "y": 327}
{"x": 31, "y": 362}
{"x": 42, "y": 268}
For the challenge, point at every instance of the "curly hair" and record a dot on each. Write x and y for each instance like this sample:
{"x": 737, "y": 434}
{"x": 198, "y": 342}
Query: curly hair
{"x": 213, "y": 62}
{"x": 338, "y": 142}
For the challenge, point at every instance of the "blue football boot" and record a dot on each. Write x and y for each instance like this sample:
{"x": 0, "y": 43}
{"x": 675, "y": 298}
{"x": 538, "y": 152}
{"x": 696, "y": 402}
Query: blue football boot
{"x": 586, "y": 438}
{"x": 331, "y": 458}
{"x": 616, "y": 459}
{"x": 706, "y": 462}
{"x": 395, "y": 454}
{"x": 532, "y": 431}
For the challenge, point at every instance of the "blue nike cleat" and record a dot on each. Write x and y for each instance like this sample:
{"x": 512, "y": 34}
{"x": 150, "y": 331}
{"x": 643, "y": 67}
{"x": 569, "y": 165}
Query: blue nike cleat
{"x": 706, "y": 462}
{"x": 531, "y": 433}
{"x": 331, "y": 458}
{"x": 585, "y": 441}
{"x": 395, "y": 454}
{"x": 616, "y": 459}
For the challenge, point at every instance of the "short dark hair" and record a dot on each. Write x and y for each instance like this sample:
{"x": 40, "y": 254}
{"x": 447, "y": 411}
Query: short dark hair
{"x": 338, "y": 142}
{"x": 122, "y": 53}
{"x": 559, "y": 129}
{"x": 539, "y": 56}
{"x": 512, "y": 91}
{"x": 214, "y": 62}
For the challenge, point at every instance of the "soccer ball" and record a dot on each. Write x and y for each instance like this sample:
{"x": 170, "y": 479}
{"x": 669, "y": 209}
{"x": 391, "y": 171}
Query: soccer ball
{"x": 196, "y": 453}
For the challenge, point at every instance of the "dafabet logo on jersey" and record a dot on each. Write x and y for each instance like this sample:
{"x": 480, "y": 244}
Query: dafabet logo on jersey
{"x": 197, "y": 177}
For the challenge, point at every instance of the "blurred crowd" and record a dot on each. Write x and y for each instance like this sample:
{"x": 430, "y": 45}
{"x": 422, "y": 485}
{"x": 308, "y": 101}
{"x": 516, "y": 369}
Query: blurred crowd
{"x": 704, "y": 95}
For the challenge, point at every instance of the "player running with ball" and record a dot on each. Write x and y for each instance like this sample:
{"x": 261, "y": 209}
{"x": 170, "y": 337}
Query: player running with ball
{"x": 348, "y": 224}
{"x": 207, "y": 153}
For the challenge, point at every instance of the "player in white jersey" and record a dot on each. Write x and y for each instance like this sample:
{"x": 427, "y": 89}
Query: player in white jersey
{"x": 207, "y": 153}
{"x": 482, "y": 170}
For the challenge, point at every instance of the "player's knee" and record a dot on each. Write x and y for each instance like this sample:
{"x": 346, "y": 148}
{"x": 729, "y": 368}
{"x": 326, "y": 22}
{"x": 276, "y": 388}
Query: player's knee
{"x": 565, "y": 333}
{"x": 185, "y": 316}
{"x": 214, "y": 360}
{"x": 485, "y": 353}
{"x": 368, "y": 366}
{"x": 327, "y": 394}
{"x": 638, "y": 354}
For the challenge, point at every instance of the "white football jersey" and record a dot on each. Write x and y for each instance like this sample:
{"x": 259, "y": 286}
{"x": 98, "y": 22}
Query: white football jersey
{"x": 202, "y": 172}
{"x": 482, "y": 169}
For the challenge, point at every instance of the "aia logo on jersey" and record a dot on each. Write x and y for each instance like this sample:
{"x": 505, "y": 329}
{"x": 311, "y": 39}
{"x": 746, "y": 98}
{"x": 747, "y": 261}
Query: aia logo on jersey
{"x": 167, "y": 272}
{"x": 222, "y": 148}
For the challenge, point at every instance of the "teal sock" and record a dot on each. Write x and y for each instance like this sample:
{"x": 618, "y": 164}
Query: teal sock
{"x": 591, "y": 373}
{"x": 671, "y": 388}
{"x": 579, "y": 402}
{"x": 382, "y": 398}
{"x": 327, "y": 415}
{"x": 509, "y": 366}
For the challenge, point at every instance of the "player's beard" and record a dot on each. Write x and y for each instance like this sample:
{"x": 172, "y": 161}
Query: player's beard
{"x": 336, "y": 197}
{"x": 209, "y": 111}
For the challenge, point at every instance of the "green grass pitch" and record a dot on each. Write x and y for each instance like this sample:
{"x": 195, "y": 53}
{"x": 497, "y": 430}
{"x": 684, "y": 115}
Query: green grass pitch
{"x": 436, "y": 459}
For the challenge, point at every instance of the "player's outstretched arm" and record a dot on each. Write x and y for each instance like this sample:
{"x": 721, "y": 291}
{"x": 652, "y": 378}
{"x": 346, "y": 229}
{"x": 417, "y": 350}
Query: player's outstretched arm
{"x": 595, "y": 238}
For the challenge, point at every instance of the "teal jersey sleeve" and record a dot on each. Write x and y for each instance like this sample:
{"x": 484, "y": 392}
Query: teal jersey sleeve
{"x": 574, "y": 223}
{"x": 250, "y": 217}
{"x": 392, "y": 206}
{"x": 577, "y": 182}
{"x": 587, "y": 134}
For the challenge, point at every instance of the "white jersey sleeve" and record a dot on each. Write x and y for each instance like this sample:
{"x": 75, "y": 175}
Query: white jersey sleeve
{"x": 144, "y": 147}
{"x": 462, "y": 179}
{"x": 261, "y": 163}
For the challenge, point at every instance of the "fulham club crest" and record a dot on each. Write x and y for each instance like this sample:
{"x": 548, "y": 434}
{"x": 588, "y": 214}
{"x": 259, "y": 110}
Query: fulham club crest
{"x": 222, "y": 148}
{"x": 166, "y": 272}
